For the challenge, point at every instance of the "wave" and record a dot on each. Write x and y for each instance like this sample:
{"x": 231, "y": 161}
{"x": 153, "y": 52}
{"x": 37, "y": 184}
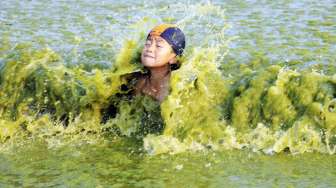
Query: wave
{"x": 261, "y": 106}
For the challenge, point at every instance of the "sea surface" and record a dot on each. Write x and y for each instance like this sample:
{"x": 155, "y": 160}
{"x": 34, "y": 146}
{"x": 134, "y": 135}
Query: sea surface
{"x": 57, "y": 59}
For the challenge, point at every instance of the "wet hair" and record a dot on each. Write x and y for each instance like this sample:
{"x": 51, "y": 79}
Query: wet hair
{"x": 175, "y": 66}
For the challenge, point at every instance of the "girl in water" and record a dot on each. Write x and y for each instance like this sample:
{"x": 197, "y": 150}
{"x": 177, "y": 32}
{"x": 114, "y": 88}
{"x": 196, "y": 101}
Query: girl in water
{"x": 163, "y": 44}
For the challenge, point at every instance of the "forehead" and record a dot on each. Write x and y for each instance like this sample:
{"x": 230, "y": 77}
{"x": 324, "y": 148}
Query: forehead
{"x": 156, "y": 38}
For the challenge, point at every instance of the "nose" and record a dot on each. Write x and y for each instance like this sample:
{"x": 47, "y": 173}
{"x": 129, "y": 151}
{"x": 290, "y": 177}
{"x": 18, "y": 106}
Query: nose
{"x": 151, "y": 47}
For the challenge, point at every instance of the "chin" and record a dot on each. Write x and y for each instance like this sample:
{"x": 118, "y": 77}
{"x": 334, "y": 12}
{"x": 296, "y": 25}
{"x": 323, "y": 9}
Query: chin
{"x": 147, "y": 61}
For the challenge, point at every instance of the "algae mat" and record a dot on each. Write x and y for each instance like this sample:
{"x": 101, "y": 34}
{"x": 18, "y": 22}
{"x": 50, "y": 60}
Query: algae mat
{"x": 257, "y": 85}
{"x": 122, "y": 165}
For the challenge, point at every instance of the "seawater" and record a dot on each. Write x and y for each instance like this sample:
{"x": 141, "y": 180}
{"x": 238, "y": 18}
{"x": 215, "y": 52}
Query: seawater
{"x": 253, "y": 103}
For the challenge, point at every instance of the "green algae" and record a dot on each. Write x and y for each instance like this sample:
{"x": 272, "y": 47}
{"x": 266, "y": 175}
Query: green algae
{"x": 283, "y": 107}
{"x": 119, "y": 163}
{"x": 35, "y": 84}
{"x": 265, "y": 103}
{"x": 326, "y": 36}
{"x": 321, "y": 23}
{"x": 5, "y": 46}
{"x": 76, "y": 148}
{"x": 263, "y": 107}
{"x": 197, "y": 80}
{"x": 260, "y": 106}
{"x": 136, "y": 117}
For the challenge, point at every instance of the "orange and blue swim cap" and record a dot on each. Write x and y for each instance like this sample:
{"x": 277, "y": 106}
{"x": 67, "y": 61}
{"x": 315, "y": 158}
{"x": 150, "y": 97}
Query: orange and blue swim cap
{"x": 172, "y": 34}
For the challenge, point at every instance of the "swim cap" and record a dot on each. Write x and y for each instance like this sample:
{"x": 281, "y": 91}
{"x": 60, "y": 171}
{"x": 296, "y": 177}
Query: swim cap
{"x": 172, "y": 34}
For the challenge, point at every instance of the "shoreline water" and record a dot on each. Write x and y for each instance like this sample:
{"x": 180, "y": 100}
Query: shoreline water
{"x": 261, "y": 76}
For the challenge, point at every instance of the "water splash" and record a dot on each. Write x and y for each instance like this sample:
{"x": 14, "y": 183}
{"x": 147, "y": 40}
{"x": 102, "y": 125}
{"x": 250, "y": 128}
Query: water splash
{"x": 213, "y": 104}
{"x": 263, "y": 107}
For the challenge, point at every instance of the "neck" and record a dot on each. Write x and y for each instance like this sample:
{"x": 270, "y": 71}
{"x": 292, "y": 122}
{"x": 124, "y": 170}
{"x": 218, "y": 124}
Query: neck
{"x": 159, "y": 73}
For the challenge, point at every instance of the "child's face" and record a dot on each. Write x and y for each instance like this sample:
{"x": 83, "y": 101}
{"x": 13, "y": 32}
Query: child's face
{"x": 156, "y": 52}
